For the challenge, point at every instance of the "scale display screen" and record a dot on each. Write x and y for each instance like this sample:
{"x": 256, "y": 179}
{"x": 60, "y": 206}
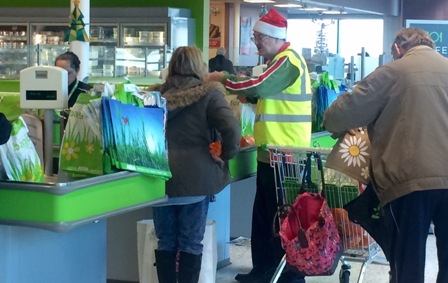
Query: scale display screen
{"x": 41, "y": 95}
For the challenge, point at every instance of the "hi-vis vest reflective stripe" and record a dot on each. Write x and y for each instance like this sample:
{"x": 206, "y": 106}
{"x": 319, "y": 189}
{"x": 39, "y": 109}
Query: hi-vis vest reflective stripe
{"x": 285, "y": 118}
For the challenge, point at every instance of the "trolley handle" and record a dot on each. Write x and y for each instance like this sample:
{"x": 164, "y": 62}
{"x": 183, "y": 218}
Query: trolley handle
{"x": 307, "y": 171}
{"x": 284, "y": 148}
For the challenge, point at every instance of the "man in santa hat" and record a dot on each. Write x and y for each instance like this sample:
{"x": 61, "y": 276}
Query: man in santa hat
{"x": 283, "y": 117}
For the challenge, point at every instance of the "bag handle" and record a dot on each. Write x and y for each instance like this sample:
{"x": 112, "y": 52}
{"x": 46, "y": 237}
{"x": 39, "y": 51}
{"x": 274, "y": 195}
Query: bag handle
{"x": 307, "y": 172}
{"x": 283, "y": 212}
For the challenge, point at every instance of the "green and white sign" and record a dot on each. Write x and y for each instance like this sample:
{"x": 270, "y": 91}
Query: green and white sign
{"x": 438, "y": 31}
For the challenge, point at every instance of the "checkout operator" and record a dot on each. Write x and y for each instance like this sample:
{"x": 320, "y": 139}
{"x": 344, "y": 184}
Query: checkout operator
{"x": 283, "y": 117}
{"x": 70, "y": 62}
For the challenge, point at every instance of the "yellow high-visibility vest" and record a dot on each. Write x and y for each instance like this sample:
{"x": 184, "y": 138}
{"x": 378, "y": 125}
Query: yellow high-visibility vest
{"x": 285, "y": 118}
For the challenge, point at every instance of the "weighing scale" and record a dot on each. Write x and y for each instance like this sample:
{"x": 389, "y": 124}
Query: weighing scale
{"x": 45, "y": 87}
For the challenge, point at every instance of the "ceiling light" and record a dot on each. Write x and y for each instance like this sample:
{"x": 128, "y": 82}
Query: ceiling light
{"x": 332, "y": 12}
{"x": 312, "y": 9}
{"x": 288, "y": 5}
{"x": 259, "y": 1}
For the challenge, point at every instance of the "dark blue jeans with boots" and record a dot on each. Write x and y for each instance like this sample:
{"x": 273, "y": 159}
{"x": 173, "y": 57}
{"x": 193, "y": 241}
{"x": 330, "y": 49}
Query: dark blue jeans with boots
{"x": 181, "y": 228}
{"x": 166, "y": 266}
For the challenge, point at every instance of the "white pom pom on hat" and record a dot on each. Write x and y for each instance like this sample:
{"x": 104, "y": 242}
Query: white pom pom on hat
{"x": 272, "y": 24}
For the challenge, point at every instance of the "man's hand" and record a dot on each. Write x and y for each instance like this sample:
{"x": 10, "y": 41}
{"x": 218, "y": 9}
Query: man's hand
{"x": 351, "y": 132}
{"x": 214, "y": 77}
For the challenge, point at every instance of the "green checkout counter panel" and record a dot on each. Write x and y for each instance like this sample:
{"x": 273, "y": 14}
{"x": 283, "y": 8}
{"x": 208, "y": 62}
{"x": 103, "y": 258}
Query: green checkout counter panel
{"x": 61, "y": 207}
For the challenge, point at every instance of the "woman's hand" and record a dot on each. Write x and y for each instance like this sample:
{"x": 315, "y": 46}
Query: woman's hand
{"x": 216, "y": 151}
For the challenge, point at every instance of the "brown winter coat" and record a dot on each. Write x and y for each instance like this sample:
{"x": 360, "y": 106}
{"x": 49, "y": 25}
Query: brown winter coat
{"x": 196, "y": 111}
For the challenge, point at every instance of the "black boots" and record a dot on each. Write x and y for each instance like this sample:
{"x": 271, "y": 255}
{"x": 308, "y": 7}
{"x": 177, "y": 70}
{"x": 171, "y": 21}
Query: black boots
{"x": 189, "y": 267}
{"x": 166, "y": 266}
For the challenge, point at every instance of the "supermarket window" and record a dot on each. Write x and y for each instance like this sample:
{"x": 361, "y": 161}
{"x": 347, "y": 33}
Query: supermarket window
{"x": 306, "y": 33}
{"x": 353, "y": 35}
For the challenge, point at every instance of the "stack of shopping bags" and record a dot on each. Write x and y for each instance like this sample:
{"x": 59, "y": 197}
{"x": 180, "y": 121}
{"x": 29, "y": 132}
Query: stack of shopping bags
{"x": 325, "y": 91}
{"x": 123, "y": 132}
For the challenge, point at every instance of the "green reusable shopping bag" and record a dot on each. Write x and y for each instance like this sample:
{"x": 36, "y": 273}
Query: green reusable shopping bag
{"x": 19, "y": 156}
{"x": 10, "y": 106}
{"x": 81, "y": 153}
{"x": 134, "y": 138}
{"x": 124, "y": 93}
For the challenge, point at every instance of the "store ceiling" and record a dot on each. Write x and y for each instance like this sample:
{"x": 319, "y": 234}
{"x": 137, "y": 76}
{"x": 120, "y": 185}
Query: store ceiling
{"x": 306, "y": 8}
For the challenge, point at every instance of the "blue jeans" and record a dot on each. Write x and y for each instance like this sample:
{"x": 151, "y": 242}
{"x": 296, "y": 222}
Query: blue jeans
{"x": 181, "y": 227}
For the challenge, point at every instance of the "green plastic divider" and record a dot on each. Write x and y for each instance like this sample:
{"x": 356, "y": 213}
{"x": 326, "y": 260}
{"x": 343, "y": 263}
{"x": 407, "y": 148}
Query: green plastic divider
{"x": 322, "y": 139}
{"x": 100, "y": 198}
{"x": 9, "y": 86}
{"x": 244, "y": 164}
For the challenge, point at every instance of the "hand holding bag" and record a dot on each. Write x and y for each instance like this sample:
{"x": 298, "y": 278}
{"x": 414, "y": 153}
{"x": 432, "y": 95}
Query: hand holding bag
{"x": 351, "y": 155}
{"x": 308, "y": 233}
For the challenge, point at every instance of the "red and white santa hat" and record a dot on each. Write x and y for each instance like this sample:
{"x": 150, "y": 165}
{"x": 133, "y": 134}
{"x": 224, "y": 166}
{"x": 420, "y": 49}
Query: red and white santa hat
{"x": 272, "y": 24}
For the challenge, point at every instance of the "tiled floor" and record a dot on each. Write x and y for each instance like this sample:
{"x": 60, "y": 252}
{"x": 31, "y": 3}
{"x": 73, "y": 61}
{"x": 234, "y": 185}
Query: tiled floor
{"x": 240, "y": 257}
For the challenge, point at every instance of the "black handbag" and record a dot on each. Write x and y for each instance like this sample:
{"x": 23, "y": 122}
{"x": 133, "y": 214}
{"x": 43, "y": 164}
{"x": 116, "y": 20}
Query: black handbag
{"x": 365, "y": 210}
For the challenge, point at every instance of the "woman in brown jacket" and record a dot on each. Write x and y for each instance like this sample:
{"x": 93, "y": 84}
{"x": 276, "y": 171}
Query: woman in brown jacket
{"x": 198, "y": 115}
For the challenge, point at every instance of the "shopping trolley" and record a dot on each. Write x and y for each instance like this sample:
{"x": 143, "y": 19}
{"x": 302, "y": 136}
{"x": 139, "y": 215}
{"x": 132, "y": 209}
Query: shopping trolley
{"x": 289, "y": 166}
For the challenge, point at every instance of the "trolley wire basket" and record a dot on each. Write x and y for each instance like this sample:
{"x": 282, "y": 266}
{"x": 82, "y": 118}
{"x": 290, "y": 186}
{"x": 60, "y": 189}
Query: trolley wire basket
{"x": 289, "y": 166}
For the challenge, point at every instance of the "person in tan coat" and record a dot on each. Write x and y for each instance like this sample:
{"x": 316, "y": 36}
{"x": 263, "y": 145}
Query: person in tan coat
{"x": 405, "y": 105}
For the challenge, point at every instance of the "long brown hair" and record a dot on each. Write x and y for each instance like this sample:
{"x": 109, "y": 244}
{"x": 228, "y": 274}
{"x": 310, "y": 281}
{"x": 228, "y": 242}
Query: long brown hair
{"x": 187, "y": 61}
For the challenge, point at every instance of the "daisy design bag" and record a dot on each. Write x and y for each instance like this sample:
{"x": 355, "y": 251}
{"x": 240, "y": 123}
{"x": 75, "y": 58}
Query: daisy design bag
{"x": 351, "y": 156}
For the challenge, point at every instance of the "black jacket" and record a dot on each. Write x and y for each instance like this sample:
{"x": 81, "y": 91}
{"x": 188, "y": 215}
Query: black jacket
{"x": 81, "y": 88}
{"x": 220, "y": 63}
{"x": 5, "y": 129}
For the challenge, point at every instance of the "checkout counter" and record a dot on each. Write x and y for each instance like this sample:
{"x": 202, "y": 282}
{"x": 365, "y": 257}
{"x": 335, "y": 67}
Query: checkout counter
{"x": 57, "y": 232}
{"x": 85, "y": 230}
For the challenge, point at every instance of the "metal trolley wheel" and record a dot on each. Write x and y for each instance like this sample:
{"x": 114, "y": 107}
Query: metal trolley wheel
{"x": 344, "y": 274}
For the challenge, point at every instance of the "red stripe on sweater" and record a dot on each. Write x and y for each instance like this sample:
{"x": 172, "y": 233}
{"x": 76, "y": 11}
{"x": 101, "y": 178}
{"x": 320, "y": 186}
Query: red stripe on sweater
{"x": 255, "y": 81}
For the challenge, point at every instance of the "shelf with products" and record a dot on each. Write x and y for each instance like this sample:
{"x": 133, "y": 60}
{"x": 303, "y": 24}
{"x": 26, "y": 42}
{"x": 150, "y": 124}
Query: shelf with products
{"x": 103, "y": 41}
{"x": 13, "y": 50}
{"x": 141, "y": 60}
{"x": 45, "y": 54}
{"x": 13, "y": 36}
{"x": 12, "y": 61}
{"x": 8, "y": 51}
{"x": 151, "y": 33}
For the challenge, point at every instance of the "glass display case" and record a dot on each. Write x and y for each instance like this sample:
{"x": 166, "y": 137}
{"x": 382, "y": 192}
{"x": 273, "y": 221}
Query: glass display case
{"x": 144, "y": 49}
{"x": 47, "y": 42}
{"x": 138, "y": 44}
{"x": 103, "y": 41}
{"x": 13, "y": 50}
{"x": 140, "y": 61}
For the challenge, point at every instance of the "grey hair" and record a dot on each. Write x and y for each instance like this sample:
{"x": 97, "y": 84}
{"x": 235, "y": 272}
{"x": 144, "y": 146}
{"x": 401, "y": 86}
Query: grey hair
{"x": 221, "y": 51}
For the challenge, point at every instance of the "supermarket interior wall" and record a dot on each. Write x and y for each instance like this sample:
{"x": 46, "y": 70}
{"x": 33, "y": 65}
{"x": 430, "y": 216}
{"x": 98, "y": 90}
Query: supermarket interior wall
{"x": 422, "y": 10}
{"x": 199, "y": 10}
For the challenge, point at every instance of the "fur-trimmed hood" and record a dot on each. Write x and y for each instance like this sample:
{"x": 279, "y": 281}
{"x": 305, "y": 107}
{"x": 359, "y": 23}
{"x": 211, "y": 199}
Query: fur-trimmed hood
{"x": 181, "y": 92}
